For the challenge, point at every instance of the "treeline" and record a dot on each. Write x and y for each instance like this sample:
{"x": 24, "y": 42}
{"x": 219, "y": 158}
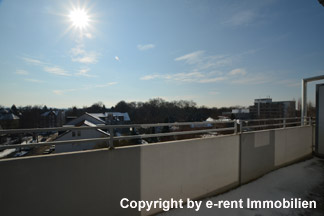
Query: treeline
{"x": 155, "y": 111}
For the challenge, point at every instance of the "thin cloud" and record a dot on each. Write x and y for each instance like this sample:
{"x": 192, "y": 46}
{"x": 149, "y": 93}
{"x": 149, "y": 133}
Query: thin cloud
{"x": 22, "y": 72}
{"x": 34, "y": 80}
{"x": 212, "y": 80}
{"x": 253, "y": 79}
{"x": 105, "y": 85}
{"x": 289, "y": 83}
{"x": 77, "y": 51}
{"x": 145, "y": 47}
{"x": 33, "y": 61}
{"x": 242, "y": 18}
{"x": 202, "y": 62}
{"x": 150, "y": 77}
{"x": 63, "y": 91}
{"x": 46, "y": 67}
{"x": 214, "y": 93}
{"x": 56, "y": 70}
{"x": 84, "y": 72}
{"x": 208, "y": 69}
{"x": 238, "y": 71}
{"x": 117, "y": 58}
{"x": 79, "y": 54}
{"x": 191, "y": 58}
{"x": 86, "y": 58}
{"x": 192, "y": 77}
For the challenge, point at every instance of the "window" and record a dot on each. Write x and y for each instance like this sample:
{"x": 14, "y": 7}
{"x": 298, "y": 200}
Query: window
{"x": 79, "y": 133}
{"x": 73, "y": 133}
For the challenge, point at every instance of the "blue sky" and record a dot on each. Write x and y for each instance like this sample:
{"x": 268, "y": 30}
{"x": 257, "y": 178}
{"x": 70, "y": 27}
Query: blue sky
{"x": 214, "y": 52}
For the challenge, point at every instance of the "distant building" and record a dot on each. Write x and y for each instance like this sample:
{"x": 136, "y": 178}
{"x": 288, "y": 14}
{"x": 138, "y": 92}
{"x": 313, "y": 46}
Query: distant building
{"x": 266, "y": 108}
{"x": 238, "y": 113}
{"x": 241, "y": 113}
{"x": 52, "y": 118}
{"x": 90, "y": 120}
{"x": 103, "y": 118}
{"x": 81, "y": 134}
{"x": 8, "y": 120}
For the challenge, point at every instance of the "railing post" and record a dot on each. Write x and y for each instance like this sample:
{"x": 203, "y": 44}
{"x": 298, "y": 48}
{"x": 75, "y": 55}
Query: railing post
{"x": 284, "y": 123}
{"x": 235, "y": 127}
{"x": 241, "y": 126}
{"x": 310, "y": 121}
{"x": 111, "y": 138}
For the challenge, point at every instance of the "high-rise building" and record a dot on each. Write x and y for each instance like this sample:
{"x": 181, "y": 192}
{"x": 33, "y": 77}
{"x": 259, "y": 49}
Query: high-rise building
{"x": 266, "y": 108}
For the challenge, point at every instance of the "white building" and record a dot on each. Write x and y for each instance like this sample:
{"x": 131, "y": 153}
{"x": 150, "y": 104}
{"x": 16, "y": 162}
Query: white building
{"x": 89, "y": 120}
{"x": 81, "y": 134}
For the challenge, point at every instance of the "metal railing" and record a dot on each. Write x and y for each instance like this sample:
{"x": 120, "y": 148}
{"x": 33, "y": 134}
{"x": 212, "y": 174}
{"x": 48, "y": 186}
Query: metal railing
{"x": 267, "y": 123}
{"x": 235, "y": 126}
{"x": 111, "y": 138}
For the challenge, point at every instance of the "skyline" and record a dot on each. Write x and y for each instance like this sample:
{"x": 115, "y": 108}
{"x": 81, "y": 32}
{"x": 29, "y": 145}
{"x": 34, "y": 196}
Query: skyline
{"x": 216, "y": 53}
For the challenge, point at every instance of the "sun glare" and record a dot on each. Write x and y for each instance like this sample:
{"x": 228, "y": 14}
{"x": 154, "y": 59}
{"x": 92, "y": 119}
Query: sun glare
{"x": 79, "y": 18}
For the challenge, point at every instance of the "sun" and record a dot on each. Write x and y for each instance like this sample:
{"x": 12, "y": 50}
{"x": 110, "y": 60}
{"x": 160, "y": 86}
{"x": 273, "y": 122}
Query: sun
{"x": 80, "y": 18}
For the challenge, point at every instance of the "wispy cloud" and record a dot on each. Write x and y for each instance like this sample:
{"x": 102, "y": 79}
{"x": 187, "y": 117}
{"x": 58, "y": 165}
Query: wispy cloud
{"x": 212, "y": 80}
{"x": 84, "y": 72}
{"x": 145, "y": 47}
{"x": 105, "y": 85}
{"x": 86, "y": 58}
{"x": 253, "y": 79}
{"x": 79, "y": 54}
{"x": 56, "y": 70}
{"x": 242, "y": 18}
{"x": 238, "y": 71}
{"x": 214, "y": 92}
{"x": 150, "y": 77}
{"x": 117, "y": 58}
{"x": 205, "y": 68}
{"x": 21, "y": 72}
{"x": 200, "y": 61}
{"x": 289, "y": 83}
{"x": 47, "y": 67}
{"x": 34, "y": 80}
{"x": 191, "y": 58}
{"x": 33, "y": 61}
{"x": 194, "y": 77}
{"x": 63, "y": 91}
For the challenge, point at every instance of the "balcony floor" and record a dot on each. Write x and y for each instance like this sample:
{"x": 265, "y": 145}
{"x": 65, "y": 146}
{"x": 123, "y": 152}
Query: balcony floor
{"x": 303, "y": 180}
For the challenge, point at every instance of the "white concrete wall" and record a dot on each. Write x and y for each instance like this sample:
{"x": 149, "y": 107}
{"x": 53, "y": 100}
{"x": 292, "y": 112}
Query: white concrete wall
{"x": 74, "y": 184}
{"x": 257, "y": 154}
{"x": 292, "y": 144}
{"x": 94, "y": 182}
{"x": 189, "y": 168}
{"x": 263, "y": 151}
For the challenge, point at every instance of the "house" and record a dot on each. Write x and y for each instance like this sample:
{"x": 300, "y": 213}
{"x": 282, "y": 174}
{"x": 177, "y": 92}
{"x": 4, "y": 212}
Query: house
{"x": 81, "y": 134}
{"x": 94, "y": 119}
{"x": 52, "y": 118}
{"x": 112, "y": 117}
{"x": 8, "y": 120}
{"x": 90, "y": 120}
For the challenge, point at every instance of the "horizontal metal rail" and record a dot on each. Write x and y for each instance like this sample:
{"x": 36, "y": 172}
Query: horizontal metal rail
{"x": 39, "y": 130}
{"x": 270, "y": 125}
{"x": 79, "y": 141}
{"x": 110, "y": 139}
{"x": 173, "y": 133}
{"x": 272, "y": 119}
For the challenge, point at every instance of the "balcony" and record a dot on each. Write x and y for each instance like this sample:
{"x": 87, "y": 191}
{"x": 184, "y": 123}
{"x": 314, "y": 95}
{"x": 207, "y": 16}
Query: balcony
{"x": 94, "y": 182}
